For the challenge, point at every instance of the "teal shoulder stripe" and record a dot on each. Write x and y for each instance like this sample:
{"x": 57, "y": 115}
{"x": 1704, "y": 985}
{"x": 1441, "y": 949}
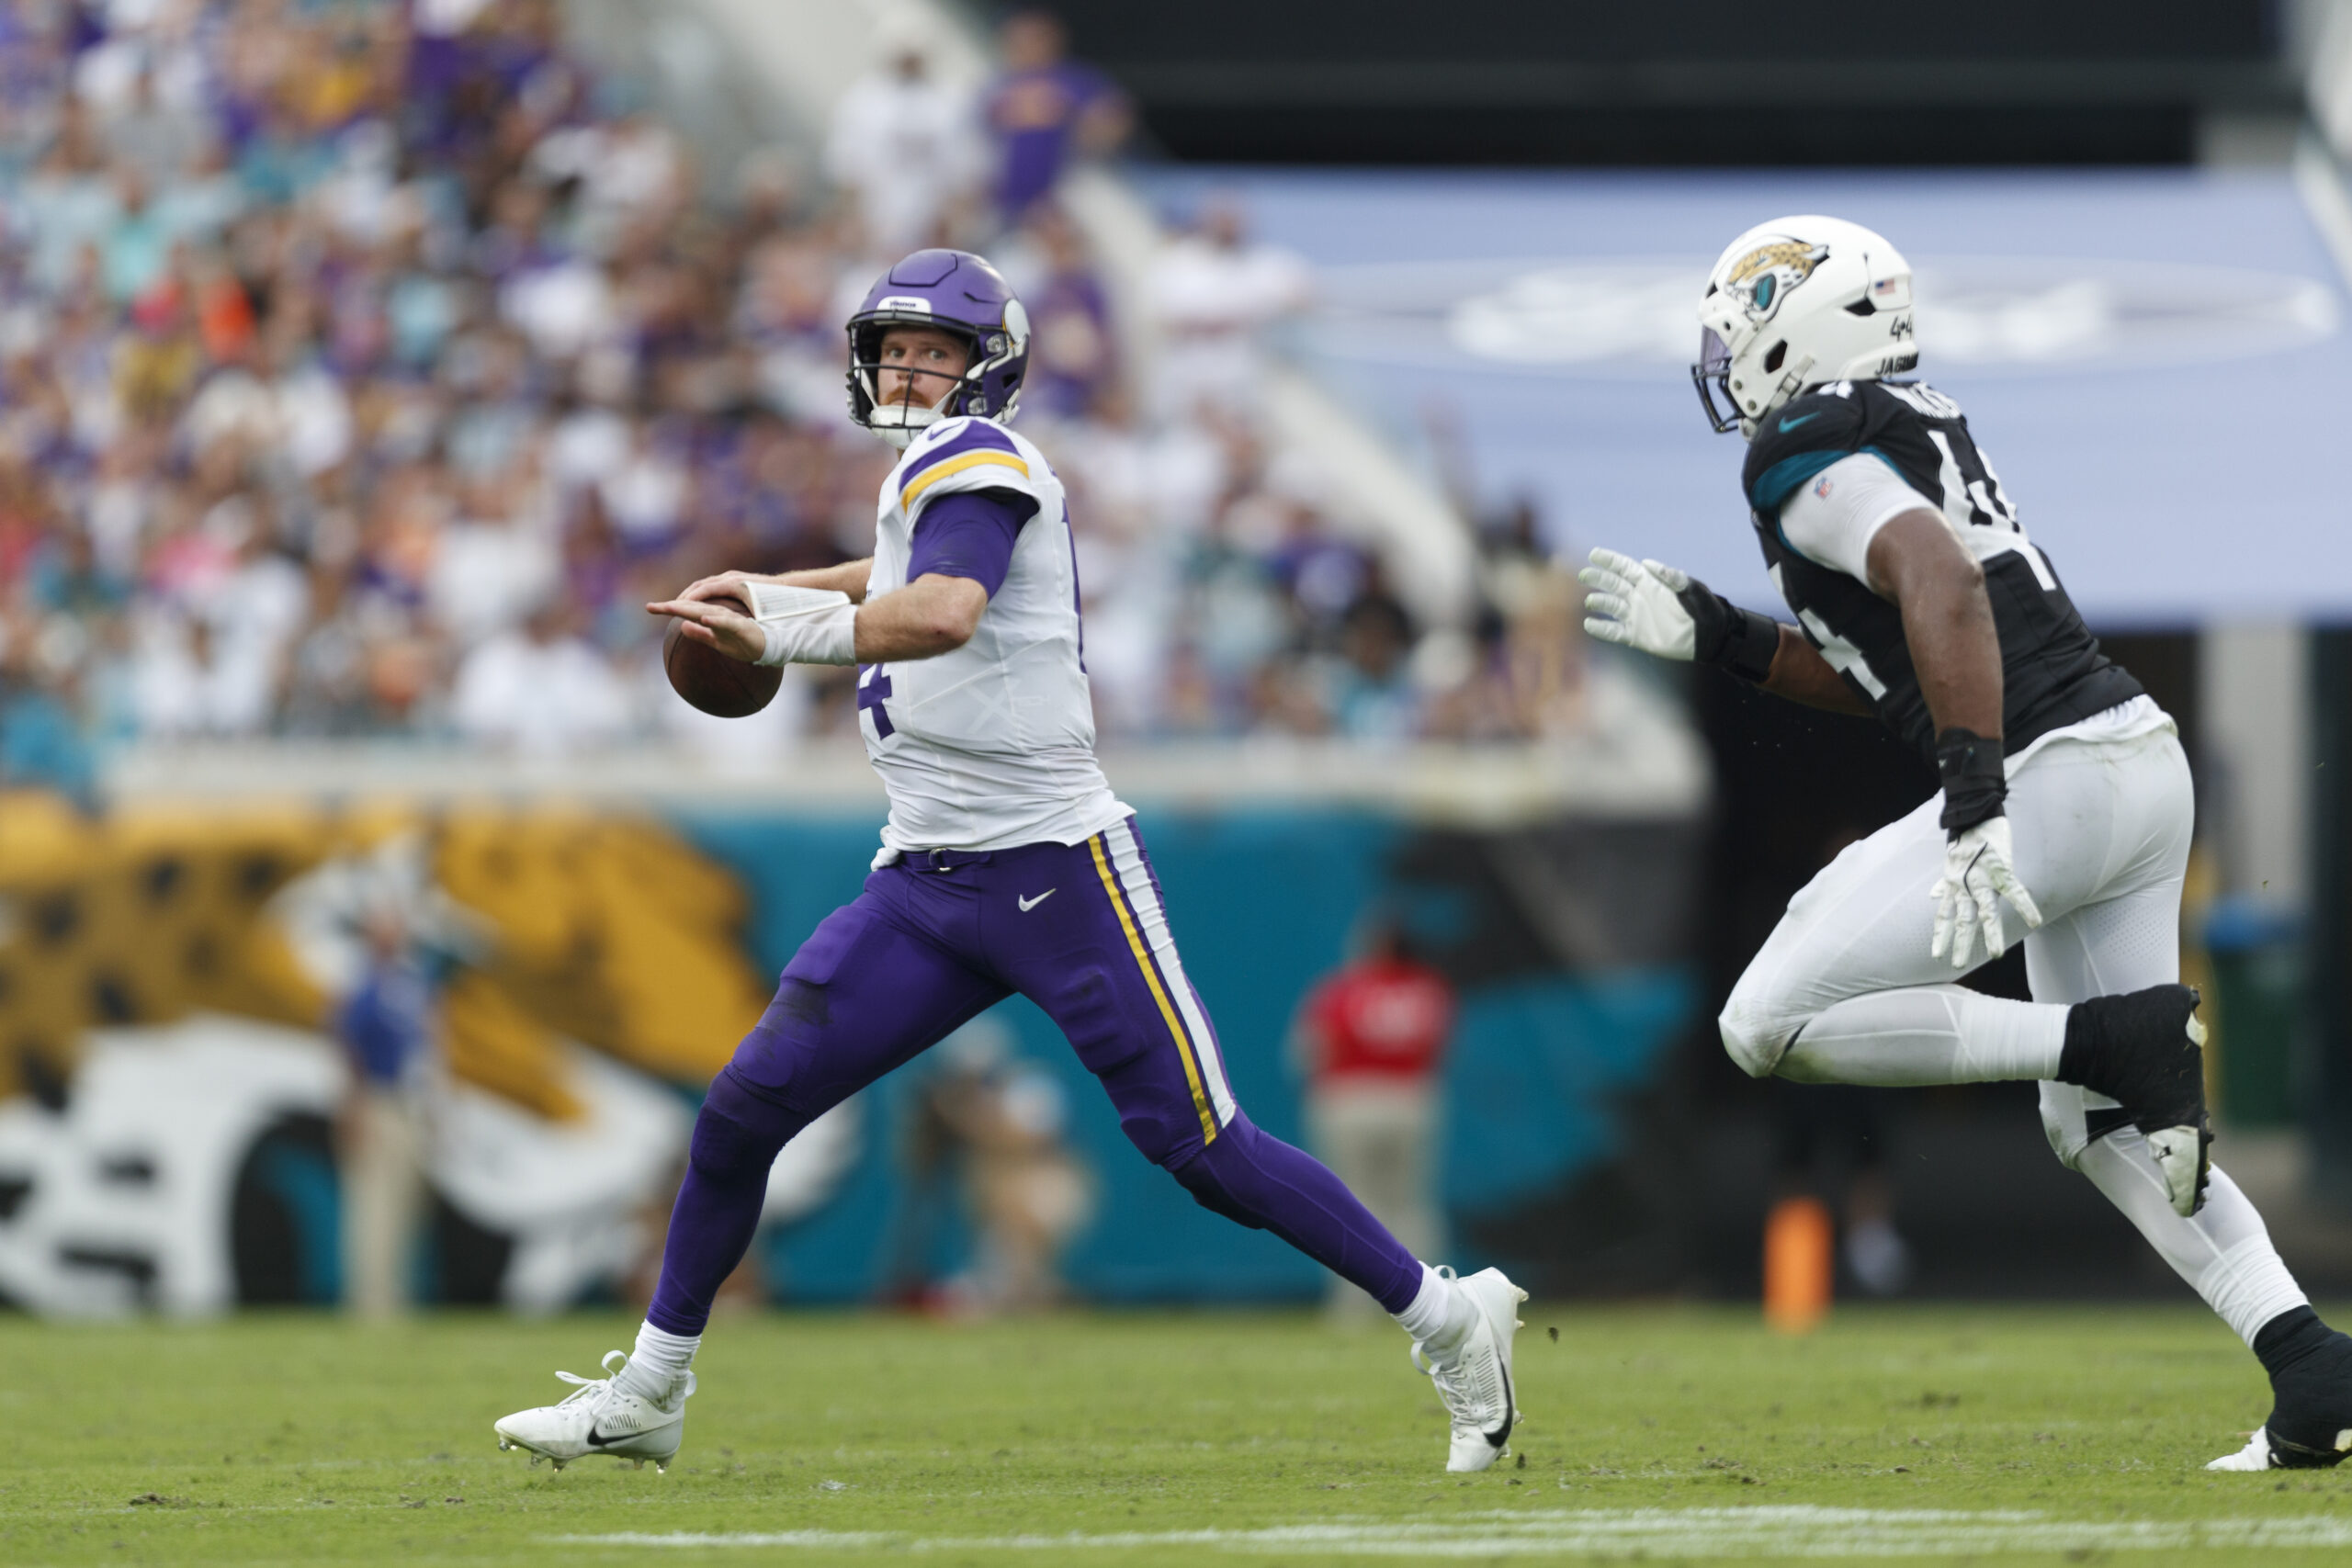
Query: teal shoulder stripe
{"x": 1780, "y": 481}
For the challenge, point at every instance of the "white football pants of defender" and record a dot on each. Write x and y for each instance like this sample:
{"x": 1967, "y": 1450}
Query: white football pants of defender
{"x": 1844, "y": 990}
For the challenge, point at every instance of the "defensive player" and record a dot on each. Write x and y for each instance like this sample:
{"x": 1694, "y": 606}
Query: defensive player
{"x": 1007, "y": 864}
{"x": 2065, "y": 812}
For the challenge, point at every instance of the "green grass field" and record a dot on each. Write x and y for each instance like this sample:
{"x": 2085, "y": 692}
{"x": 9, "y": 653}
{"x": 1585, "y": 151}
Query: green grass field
{"x": 1982, "y": 1434}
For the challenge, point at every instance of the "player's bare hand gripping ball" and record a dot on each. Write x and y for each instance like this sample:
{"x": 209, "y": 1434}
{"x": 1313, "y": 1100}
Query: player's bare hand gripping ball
{"x": 709, "y": 677}
{"x": 735, "y": 585}
{"x": 787, "y": 625}
{"x": 716, "y": 623}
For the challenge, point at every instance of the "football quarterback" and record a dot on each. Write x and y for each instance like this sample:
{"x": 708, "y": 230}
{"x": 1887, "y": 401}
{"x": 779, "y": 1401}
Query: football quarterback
{"x": 2065, "y": 812}
{"x": 1007, "y": 865}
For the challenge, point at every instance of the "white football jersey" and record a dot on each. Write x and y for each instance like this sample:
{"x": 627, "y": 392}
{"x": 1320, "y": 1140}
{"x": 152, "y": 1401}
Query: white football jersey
{"x": 991, "y": 746}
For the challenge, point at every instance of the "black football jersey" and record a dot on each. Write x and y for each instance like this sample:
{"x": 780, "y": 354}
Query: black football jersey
{"x": 2053, "y": 673}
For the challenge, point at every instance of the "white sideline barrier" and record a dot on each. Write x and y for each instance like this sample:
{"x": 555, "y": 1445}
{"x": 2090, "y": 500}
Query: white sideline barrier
{"x": 1648, "y": 765}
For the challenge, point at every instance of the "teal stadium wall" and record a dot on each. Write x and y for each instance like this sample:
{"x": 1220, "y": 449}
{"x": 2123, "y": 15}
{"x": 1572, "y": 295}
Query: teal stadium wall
{"x": 1545, "y": 1063}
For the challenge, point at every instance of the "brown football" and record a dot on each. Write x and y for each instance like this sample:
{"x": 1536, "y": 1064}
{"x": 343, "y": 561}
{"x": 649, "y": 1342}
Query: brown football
{"x": 726, "y": 687}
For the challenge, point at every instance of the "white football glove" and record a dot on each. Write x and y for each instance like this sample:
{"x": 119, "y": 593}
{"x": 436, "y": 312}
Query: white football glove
{"x": 1634, "y": 603}
{"x": 1979, "y": 872}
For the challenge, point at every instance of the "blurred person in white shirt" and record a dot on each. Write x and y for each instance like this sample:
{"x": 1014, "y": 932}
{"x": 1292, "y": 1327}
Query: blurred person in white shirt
{"x": 156, "y": 137}
{"x": 212, "y": 646}
{"x": 903, "y": 143}
{"x": 540, "y": 688}
{"x": 646, "y": 495}
{"x": 264, "y": 597}
{"x": 487, "y": 572}
{"x": 564, "y": 309}
{"x": 589, "y": 443}
{"x": 633, "y": 172}
{"x": 1215, "y": 294}
{"x": 299, "y": 416}
{"x": 186, "y": 681}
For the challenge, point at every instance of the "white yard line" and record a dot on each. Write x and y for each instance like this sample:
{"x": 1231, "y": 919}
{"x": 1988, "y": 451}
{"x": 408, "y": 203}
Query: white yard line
{"x": 1710, "y": 1532}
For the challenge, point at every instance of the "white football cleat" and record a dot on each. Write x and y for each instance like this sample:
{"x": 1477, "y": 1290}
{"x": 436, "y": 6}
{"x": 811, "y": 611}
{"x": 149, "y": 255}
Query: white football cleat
{"x": 2260, "y": 1453}
{"x": 597, "y": 1419}
{"x": 1474, "y": 1377}
{"x": 2256, "y": 1455}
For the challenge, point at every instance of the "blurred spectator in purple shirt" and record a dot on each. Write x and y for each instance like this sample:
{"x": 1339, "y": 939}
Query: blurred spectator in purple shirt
{"x": 1071, "y": 358}
{"x": 1044, "y": 109}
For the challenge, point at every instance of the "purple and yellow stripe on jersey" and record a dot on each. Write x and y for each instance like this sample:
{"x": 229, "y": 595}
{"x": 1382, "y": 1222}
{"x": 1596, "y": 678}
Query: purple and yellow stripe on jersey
{"x": 1133, "y": 891}
{"x": 978, "y": 444}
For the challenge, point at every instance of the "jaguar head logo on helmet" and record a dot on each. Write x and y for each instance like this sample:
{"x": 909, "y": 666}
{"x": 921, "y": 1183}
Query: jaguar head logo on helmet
{"x": 1765, "y": 274}
{"x": 956, "y": 293}
{"x": 1795, "y": 303}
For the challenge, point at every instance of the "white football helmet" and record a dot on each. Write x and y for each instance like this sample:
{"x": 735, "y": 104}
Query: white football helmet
{"x": 1795, "y": 303}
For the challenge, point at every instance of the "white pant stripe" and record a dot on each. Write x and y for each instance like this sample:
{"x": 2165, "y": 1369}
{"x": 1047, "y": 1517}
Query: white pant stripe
{"x": 1127, "y": 860}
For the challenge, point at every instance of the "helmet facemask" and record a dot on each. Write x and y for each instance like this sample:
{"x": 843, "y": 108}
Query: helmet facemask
{"x": 900, "y": 423}
{"x": 1711, "y": 373}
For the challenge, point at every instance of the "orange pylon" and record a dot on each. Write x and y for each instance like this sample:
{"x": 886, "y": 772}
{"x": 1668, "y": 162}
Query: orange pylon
{"x": 1798, "y": 1264}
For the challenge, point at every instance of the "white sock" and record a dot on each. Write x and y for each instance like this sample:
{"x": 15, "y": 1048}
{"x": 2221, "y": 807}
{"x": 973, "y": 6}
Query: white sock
{"x": 653, "y": 1367}
{"x": 1927, "y": 1034}
{"x": 1439, "y": 1314}
{"x": 2223, "y": 1250}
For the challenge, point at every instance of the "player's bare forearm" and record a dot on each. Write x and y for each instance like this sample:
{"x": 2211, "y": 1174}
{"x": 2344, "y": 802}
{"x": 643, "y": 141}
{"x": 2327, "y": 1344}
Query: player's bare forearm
{"x": 1801, "y": 675}
{"x": 1947, "y": 619}
{"x": 849, "y": 578}
{"x": 932, "y": 615}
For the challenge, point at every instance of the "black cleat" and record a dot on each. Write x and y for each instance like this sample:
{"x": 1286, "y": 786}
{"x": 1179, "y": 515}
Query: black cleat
{"x": 2311, "y": 1386}
{"x": 2145, "y": 1051}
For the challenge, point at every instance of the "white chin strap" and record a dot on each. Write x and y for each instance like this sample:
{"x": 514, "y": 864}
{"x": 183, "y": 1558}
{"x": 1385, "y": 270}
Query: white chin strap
{"x": 1793, "y": 381}
{"x": 900, "y": 423}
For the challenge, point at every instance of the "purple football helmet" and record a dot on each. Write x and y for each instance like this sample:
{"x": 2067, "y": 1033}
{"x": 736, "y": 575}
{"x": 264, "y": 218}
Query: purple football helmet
{"x": 952, "y": 291}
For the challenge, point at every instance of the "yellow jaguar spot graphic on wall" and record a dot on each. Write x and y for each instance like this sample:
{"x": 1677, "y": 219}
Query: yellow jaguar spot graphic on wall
{"x": 603, "y": 928}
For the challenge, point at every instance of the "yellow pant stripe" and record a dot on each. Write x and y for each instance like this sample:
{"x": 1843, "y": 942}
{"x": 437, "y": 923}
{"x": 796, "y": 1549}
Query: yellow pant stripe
{"x": 1151, "y": 978}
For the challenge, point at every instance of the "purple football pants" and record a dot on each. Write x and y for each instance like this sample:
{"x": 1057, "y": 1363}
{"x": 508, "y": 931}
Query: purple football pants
{"x": 934, "y": 941}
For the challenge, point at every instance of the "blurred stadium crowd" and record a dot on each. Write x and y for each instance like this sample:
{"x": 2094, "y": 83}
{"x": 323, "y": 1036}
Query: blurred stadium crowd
{"x": 366, "y": 366}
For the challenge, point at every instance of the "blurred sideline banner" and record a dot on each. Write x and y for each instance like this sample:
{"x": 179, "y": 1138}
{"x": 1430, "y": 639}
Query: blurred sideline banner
{"x": 169, "y": 969}
{"x": 2153, "y": 357}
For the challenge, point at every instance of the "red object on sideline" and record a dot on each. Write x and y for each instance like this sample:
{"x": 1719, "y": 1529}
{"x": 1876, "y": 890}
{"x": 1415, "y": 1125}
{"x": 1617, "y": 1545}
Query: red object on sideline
{"x": 1386, "y": 1019}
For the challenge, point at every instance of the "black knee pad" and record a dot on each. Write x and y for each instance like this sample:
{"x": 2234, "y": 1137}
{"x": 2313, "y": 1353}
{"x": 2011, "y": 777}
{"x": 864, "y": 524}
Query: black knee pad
{"x": 739, "y": 1134}
{"x": 1218, "y": 1176}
